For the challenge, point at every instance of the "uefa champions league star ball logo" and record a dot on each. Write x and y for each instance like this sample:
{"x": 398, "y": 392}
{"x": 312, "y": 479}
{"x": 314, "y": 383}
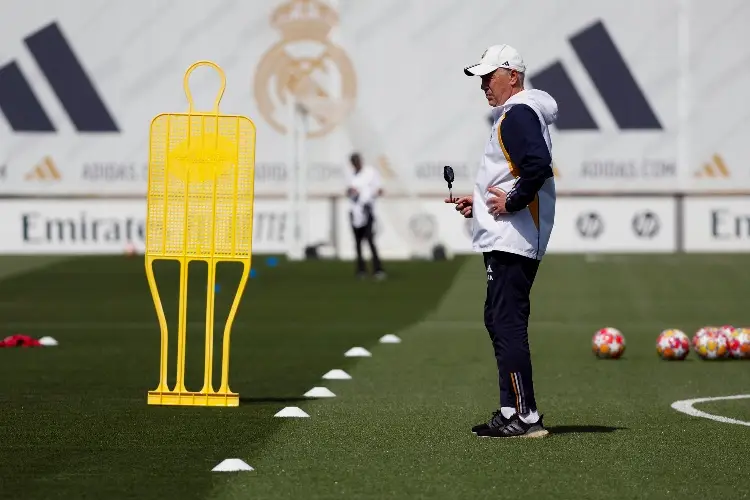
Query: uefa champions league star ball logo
{"x": 307, "y": 65}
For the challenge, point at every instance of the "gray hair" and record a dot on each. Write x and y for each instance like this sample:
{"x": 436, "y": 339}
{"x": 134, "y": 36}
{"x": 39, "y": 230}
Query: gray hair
{"x": 521, "y": 76}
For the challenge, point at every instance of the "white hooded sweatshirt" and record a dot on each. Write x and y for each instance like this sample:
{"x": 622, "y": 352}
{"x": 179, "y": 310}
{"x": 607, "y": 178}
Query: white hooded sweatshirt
{"x": 527, "y": 231}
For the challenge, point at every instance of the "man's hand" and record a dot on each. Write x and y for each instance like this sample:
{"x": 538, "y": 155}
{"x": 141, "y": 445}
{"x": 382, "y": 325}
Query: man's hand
{"x": 496, "y": 204}
{"x": 463, "y": 205}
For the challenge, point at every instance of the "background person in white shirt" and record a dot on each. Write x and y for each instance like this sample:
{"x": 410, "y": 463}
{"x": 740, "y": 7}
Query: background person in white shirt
{"x": 364, "y": 187}
{"x": 513, "y": 211}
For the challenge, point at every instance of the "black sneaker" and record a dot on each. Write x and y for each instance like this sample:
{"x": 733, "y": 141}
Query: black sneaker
{"x": 516, "y": 428}
{"x": 497, "y": 420}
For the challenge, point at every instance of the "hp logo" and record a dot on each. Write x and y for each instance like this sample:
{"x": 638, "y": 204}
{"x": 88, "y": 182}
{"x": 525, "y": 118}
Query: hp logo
{"x": 423, "y": 227}
{"x": 646, "y": 224}
{"x": 590, "y": 225}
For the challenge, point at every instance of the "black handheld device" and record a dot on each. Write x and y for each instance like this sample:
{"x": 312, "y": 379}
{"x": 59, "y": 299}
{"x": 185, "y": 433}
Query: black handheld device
{"x": 449, "y": 177}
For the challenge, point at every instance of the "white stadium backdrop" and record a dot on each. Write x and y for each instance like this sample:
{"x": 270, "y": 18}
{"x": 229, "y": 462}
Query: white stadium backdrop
{"x": 650, "y": 103}
{"x": 717, "y": 224}
{"x": 587, "y": 224}
{"x": 108, "y": 226}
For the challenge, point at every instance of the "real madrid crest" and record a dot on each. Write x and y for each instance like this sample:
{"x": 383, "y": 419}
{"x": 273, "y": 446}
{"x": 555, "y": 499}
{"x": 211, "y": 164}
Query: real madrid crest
{"x": 307, "y": 65}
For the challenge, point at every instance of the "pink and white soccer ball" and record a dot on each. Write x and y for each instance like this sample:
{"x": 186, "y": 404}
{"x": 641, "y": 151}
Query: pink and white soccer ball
{"x": 700, "y": 333}
{"x": 672, "y": 344}
{"x": 608, "y": 343}
{"x": 739, "y": 343}
{"x": 712, "y": 345}
{"x": 727, "y": 330}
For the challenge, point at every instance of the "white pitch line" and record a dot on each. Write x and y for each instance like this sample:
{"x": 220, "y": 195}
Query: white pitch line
{"x": 686, "y": 406}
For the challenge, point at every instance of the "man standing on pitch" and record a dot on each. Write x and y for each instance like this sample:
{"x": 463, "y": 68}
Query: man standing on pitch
{"x": 364, "y": 186}
{"x": 513, "y": 210}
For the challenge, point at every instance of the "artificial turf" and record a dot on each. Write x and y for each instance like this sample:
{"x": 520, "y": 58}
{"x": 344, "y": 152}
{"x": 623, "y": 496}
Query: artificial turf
{"x": 74, "y": 419}
{"x": 74, "y": 423}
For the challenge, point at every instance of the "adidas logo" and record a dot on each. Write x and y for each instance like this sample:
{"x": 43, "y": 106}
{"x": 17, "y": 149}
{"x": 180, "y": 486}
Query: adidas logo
{"x": 715, "y": 168}
{"x": 489, "y": 268}
{"x": 44, "y": 171}
{"x": 611, "y": 77}
{"x": 68, "y": 80}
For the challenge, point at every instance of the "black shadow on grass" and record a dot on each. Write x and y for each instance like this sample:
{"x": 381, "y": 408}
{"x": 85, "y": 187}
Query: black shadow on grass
{"x": 583, "y": 429}
{"x": 261, "y": 400}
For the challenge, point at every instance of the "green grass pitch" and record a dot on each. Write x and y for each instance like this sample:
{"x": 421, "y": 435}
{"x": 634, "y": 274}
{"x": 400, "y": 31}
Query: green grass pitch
{"x": 74, "y": 421}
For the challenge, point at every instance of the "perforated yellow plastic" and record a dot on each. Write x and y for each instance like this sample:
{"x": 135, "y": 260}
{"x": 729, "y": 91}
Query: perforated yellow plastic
{"x": 201, "y": 182}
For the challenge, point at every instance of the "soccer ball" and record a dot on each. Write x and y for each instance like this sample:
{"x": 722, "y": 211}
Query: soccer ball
{"x": 608, "y": 343}
{"x": 739, "y": 343}
{"x": 672, "y": 344}
{"x": 700, "y": 333}
{"x": 712, "y": 345}
{"x": 727, "y": 330}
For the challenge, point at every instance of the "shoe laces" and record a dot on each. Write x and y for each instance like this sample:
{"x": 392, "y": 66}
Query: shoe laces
{"x": 497, "y": 419}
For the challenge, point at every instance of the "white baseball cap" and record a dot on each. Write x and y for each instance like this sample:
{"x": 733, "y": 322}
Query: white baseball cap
{"x": 497, "y": 56}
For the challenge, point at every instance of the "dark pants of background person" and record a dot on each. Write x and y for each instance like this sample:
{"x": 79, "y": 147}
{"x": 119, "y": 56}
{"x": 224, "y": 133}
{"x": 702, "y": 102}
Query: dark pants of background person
{"x": 506, "y": 316}
{"x": 366, "y": 233}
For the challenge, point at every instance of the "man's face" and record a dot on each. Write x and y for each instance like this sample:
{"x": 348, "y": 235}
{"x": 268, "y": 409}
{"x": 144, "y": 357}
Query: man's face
{"x": 356, "y": 163}
{"x": 498, "y": 86}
